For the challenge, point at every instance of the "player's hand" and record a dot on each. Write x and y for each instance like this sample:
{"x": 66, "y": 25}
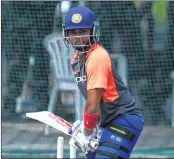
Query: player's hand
{"x": 84, "y": 143}
{"x": 78, "y": 127}
{"x": 81, "y": 140}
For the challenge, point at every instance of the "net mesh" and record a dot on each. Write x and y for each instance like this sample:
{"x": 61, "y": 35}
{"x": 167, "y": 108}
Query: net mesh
{"x": 142, "y": 31}
{"x": 144, "y": 35}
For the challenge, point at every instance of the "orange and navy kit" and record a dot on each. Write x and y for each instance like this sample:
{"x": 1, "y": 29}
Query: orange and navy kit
{"x": 96, "y": 70}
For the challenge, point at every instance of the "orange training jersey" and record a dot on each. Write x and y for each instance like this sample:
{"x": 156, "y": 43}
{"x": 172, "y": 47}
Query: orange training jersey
{"x": 95, "y": 70}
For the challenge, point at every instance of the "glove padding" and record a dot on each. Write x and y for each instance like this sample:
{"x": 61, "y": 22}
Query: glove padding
{"x": 82, "y": 141}
{"x": 84, "y": 144}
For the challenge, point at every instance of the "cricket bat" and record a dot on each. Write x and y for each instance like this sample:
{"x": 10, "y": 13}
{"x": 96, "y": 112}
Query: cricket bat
{"x": 56, "y": 122}
{"x": 51, "y": 120}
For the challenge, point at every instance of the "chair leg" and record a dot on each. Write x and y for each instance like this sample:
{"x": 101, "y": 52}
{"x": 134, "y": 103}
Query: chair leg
{"x": 51, "y": 107}
{"x": 47, "y": 130}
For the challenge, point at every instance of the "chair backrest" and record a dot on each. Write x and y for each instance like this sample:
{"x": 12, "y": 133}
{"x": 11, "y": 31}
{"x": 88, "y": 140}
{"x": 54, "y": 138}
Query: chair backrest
{"x": 60, "y": 55}
{"x": 60, "y": 58}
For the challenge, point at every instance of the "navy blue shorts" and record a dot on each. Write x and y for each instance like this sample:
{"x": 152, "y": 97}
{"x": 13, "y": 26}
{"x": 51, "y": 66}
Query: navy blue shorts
{"x": 119, "y": 138}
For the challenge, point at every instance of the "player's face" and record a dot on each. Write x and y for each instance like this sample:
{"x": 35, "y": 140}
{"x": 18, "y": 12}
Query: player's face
{"x": 79, "y": 36}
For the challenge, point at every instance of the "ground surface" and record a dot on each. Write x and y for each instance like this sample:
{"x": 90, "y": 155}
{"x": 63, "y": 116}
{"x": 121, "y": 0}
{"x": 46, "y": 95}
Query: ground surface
{"x": 30, "y": 135}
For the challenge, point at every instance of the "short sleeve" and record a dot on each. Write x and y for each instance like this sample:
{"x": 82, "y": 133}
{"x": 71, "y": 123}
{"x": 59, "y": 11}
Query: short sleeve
{"x": 97, "y": 73}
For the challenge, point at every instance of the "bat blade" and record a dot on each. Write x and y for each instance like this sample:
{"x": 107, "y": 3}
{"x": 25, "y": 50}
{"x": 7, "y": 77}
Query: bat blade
{"x": 51, "y": 119}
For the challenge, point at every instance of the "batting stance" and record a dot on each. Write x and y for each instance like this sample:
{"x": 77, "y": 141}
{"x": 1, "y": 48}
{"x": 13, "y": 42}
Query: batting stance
{"x": 110, "y": 116}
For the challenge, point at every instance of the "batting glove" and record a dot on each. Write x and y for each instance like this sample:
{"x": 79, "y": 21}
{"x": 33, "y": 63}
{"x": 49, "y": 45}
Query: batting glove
{"x": 81, "y": 140}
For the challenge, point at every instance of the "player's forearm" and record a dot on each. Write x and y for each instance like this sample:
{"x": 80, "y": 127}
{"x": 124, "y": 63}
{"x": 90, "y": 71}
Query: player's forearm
{"x": 91, "y": 108}
{"x": 91, "y": 113}
{"x": 93, "y": 101}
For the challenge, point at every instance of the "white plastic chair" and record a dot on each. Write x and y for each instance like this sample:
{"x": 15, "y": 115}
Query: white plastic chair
{"x": 122, "y": 67}
{"x": 63, "y": 79}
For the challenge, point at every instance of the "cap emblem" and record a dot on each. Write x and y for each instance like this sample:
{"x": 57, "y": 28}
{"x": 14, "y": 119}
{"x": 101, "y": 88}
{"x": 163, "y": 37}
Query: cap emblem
{"x": 76, "y": 18}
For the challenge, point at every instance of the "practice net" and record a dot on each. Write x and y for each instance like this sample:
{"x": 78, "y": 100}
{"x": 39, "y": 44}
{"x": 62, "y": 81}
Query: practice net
{"x": 141, "y": 31}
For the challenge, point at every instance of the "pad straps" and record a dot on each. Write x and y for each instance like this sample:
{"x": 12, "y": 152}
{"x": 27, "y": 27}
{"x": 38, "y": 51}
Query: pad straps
{"x": 108, "y": 154}
{"x": 113, "y": 145}
{"x": 122, "y": 131}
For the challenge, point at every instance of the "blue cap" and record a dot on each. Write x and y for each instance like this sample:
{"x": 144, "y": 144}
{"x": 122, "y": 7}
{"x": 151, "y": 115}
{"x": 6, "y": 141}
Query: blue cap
{"x": 79, "y": 17}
